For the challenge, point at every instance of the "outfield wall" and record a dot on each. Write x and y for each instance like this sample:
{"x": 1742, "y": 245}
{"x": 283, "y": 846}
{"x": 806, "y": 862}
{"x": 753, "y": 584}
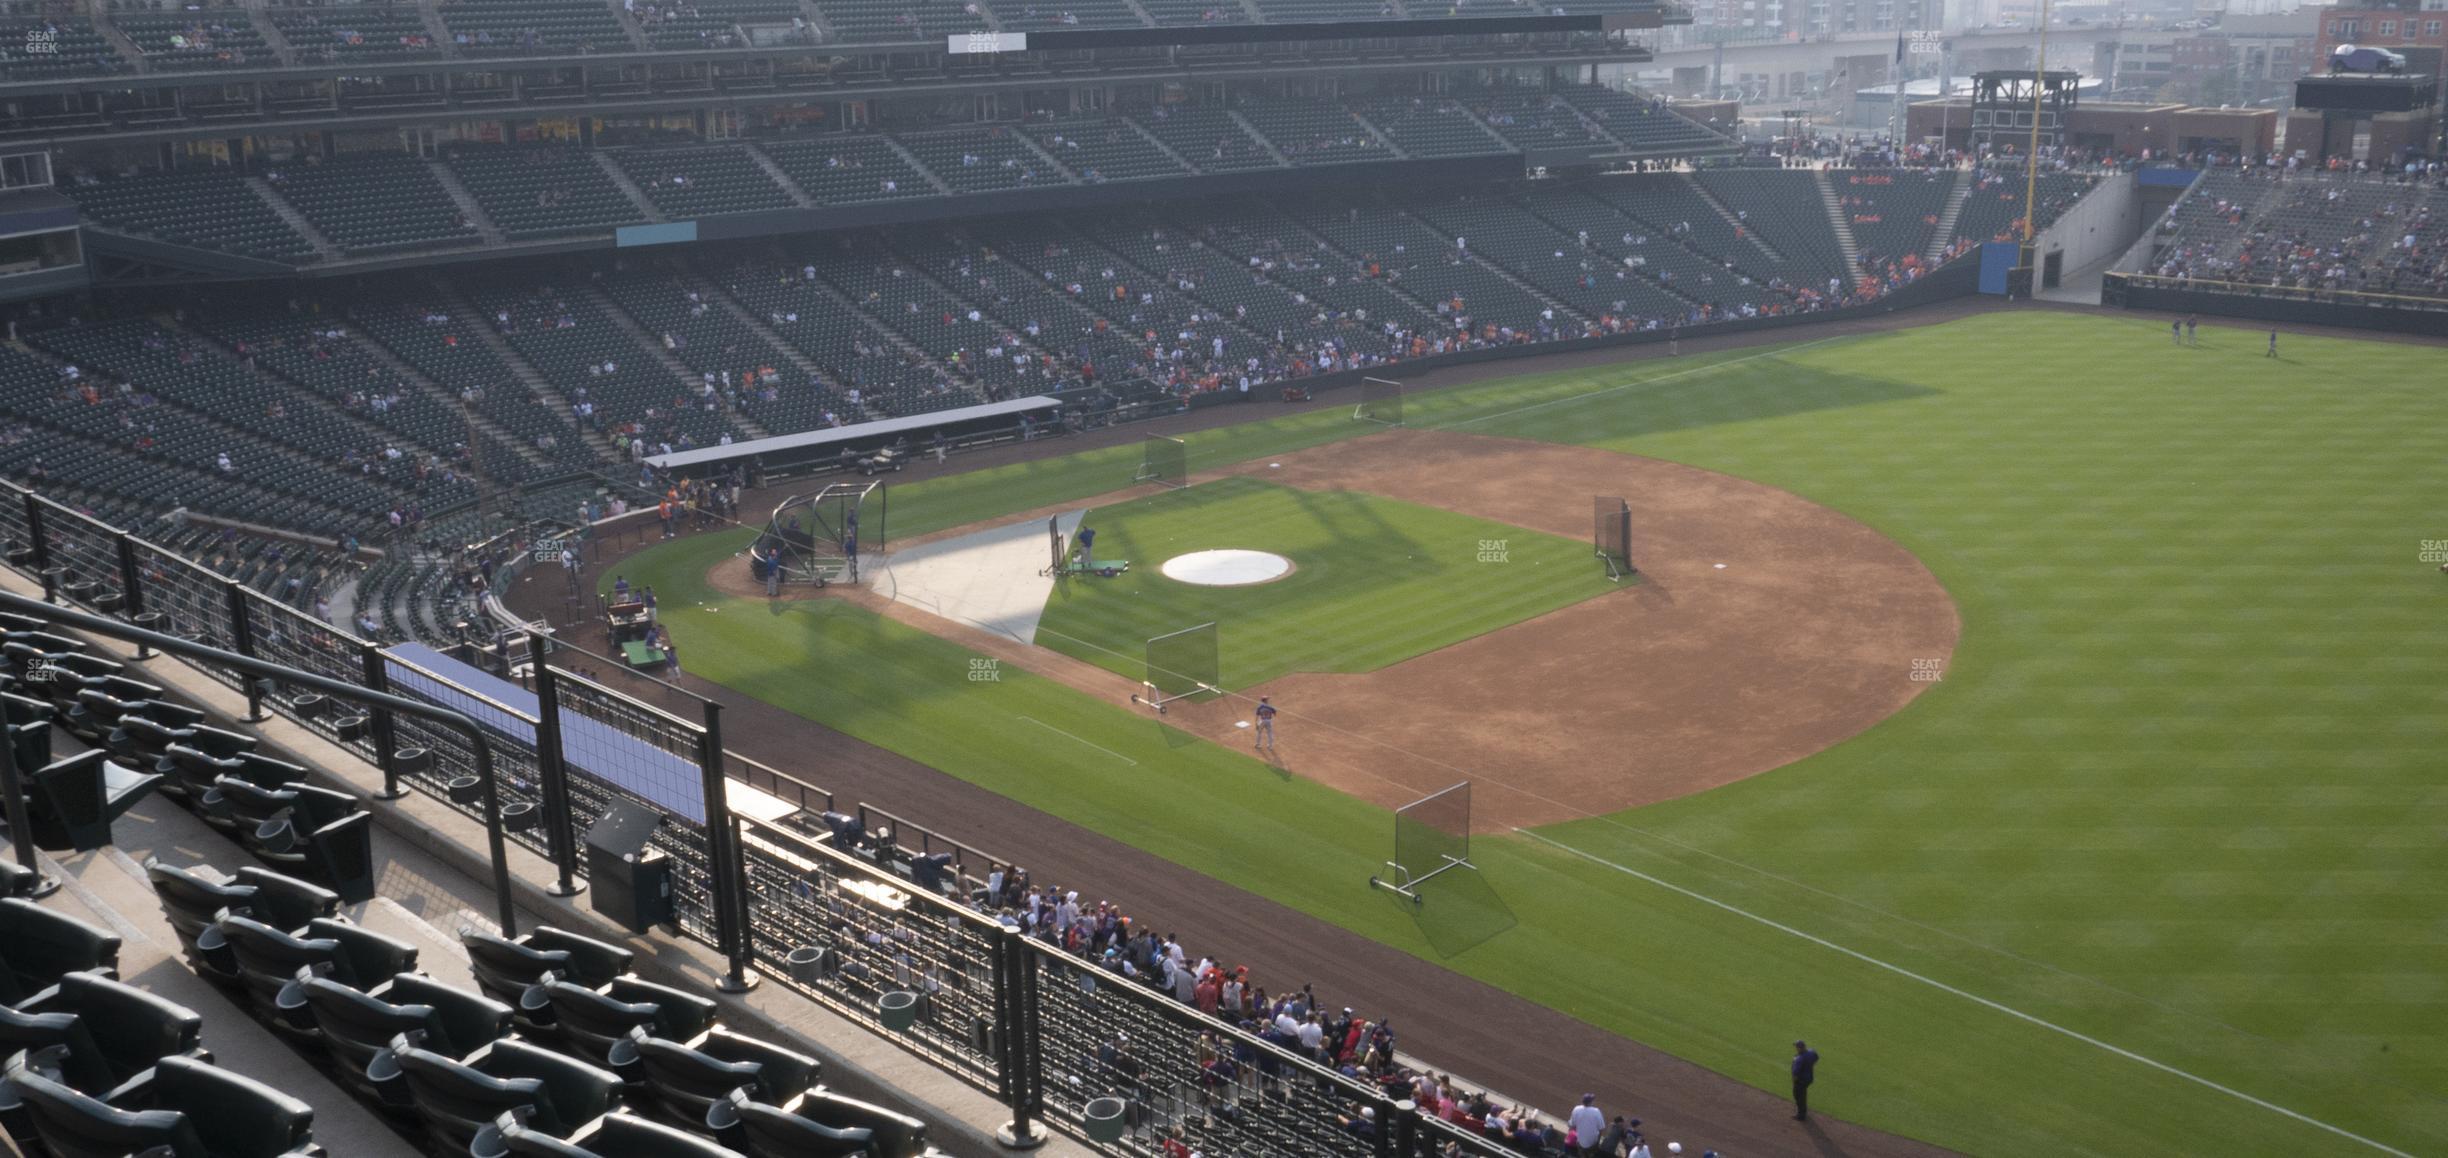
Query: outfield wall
{"x": 2277, "y": 306}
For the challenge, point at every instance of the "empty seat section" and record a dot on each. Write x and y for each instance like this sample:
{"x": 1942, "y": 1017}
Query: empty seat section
{"x": 1026, "y": 15}
{"x": 210, "y": 208}
{"x": 1892, "y": 212}
{"x": 193, "y": 40}
{"x": 1429, "y": 126}
{"x": 543, "y": 191}
{"x": 371, "y": 204}
{"x": 1207, "y": 137}
{"x": 532, "y": 27}
{"x": 55, "y": 49}
{"x": 1532, "y": 119}
{"x": 283, "y": 445}
{"x": 1426, "y": 264}
{"x": 568, "y": 338}
{"x": 891, "y": 379}
{"x": 734, "y": 361}
{"x": 847, "y": 169}
{"x": 1314, "y": 132}
{"x": 982, "y": 160}
{"x": 448, "y": 349}
{"x": 1643, "y": 124}
{"x": 1176, "y": 12}
{"x": 1785, "y": 206}
{"x": 355, "y": 32}
{"x": 897, "y": 21}
{"x": 713, "y": 23}
{"x": 686, "y": 183}
{"x": 1101, "y": 150}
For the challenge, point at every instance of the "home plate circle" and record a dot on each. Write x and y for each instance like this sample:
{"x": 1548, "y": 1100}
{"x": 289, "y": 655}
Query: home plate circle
{"x": 1227, "y": 568}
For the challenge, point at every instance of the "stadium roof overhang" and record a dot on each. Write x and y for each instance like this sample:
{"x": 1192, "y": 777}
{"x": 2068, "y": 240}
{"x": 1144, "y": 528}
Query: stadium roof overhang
{"x": 1053, "y": 40}
{"x": 811, "y": 444}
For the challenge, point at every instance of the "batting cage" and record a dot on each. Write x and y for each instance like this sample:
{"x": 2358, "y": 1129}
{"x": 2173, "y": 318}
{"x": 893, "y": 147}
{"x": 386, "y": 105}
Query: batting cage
{"x": 1381, "y": 400}
{"x": 1431, "y": 835}
{"x": 818, "y": 538}
{"x": 1611, "y": 535}
{"x": 1165, "y": 461}
{"x": 1182, "y": 665}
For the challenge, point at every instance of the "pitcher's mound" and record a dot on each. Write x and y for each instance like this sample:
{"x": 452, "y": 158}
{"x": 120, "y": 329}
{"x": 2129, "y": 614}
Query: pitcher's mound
{"x": 1227, "y": 568}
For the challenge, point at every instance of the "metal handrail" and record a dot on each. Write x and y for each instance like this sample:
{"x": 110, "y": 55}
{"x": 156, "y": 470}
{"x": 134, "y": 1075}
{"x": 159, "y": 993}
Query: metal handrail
{"x": 98, "y": 625}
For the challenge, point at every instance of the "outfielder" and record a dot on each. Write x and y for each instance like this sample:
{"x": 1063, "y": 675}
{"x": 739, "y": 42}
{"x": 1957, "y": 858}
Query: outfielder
{"x": 1266, "y": 724}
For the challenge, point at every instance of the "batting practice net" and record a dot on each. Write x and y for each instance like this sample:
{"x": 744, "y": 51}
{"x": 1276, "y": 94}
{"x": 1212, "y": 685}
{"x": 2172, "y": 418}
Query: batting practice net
{"x": 1611, "y": 535}
{"x": 1183, "y": 665}
{"x": 1431, "y": 835}
{"x": 1381, "y": 400}
{"x": 1165, "y": 461}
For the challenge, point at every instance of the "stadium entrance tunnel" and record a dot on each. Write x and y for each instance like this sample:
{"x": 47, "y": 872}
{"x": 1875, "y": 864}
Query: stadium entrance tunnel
{"x": 1230, "y": 567}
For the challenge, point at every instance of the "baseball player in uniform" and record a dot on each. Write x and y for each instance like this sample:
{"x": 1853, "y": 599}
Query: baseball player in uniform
{"x": 1266, "y": 724}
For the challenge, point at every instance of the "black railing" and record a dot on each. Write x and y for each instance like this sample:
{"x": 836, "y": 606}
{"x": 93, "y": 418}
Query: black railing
{"x": 883, "y": 921}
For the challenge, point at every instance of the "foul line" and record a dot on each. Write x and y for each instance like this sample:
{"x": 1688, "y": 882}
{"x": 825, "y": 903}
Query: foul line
{"x": 1060, "y": 732}
{"x": 1975, "y": 998}
{"x": 1775, "y": 352}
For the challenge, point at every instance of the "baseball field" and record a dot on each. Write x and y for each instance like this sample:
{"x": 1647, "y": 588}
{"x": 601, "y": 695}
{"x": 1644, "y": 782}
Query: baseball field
{"x": 2044, "y": 719}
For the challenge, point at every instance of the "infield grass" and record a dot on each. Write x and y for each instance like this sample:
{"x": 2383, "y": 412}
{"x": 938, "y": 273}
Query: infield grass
{"x": 1374, "y": 580}
{"x": 2160, "y": 867}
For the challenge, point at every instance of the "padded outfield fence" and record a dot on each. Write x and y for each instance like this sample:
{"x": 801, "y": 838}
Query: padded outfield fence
{"x": 878, "y": 919}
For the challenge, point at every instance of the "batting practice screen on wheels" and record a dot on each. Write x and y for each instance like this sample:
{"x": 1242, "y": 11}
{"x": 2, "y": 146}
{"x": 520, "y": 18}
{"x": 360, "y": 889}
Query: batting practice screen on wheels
{"x": 1165, "y": 461}
{"x": 1431, "y": 835}
{"x": 1181, "y": 665}
{"x": 1611, "y": 534}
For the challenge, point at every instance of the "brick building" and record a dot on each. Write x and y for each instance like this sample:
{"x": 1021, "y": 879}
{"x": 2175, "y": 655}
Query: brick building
{"x": 2382, "y": 24}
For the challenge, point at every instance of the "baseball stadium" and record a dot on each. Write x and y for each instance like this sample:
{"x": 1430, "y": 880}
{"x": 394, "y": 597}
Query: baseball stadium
{"x": 1263, "y": 579}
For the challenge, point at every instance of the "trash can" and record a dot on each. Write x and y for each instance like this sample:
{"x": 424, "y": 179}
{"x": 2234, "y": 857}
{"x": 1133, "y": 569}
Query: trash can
{"x": 632, "y": 883}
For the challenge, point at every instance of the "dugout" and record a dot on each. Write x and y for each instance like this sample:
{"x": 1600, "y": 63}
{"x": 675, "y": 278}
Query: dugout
{"x": 830, "y": 450}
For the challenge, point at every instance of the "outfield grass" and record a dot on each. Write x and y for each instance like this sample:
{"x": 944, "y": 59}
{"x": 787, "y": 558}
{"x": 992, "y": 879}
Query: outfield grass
{"x": 1374, "y": 580}
{"x": 2178, "y": 794}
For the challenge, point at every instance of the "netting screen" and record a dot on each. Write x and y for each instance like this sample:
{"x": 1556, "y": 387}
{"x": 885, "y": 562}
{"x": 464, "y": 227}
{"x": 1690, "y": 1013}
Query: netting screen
{"x": 85, "y": 551}
{"x": 284, "y": 635}
{"x": 1165, "y": 460}
{"x": 1611, "y": 529}
{"x": 635, "y": 747}
{"x": 1380, "y": 401}
{"x": 1433, "y": 831}
{"x": 192, "y": 601}
{"x": 1184, "y": 663}
{"x": 1181, "y": 1074}
{"x": 863, "y": 936}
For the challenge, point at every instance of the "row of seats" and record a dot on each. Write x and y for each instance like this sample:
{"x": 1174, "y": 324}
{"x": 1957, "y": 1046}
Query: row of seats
{"x": 179, "y": 42}
{"x": 97, "y": 1068}
{"x": 377, "y": 203}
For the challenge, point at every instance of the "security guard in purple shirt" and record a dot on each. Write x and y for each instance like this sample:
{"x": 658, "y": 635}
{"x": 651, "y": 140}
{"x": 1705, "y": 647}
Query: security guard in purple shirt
{"x": 1805, "y": 1066}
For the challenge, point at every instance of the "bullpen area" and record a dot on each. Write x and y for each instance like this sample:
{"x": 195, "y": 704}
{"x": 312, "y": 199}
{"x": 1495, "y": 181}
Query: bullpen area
{"x": 2040, "y": 717}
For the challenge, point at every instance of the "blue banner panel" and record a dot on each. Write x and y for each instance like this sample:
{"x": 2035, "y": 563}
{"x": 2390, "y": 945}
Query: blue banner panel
{"x": 667, "y": 233}
{"x": 1997, "y": 260}
{"x": 632, "y": 765}
{"x": 2174, "y": 178}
